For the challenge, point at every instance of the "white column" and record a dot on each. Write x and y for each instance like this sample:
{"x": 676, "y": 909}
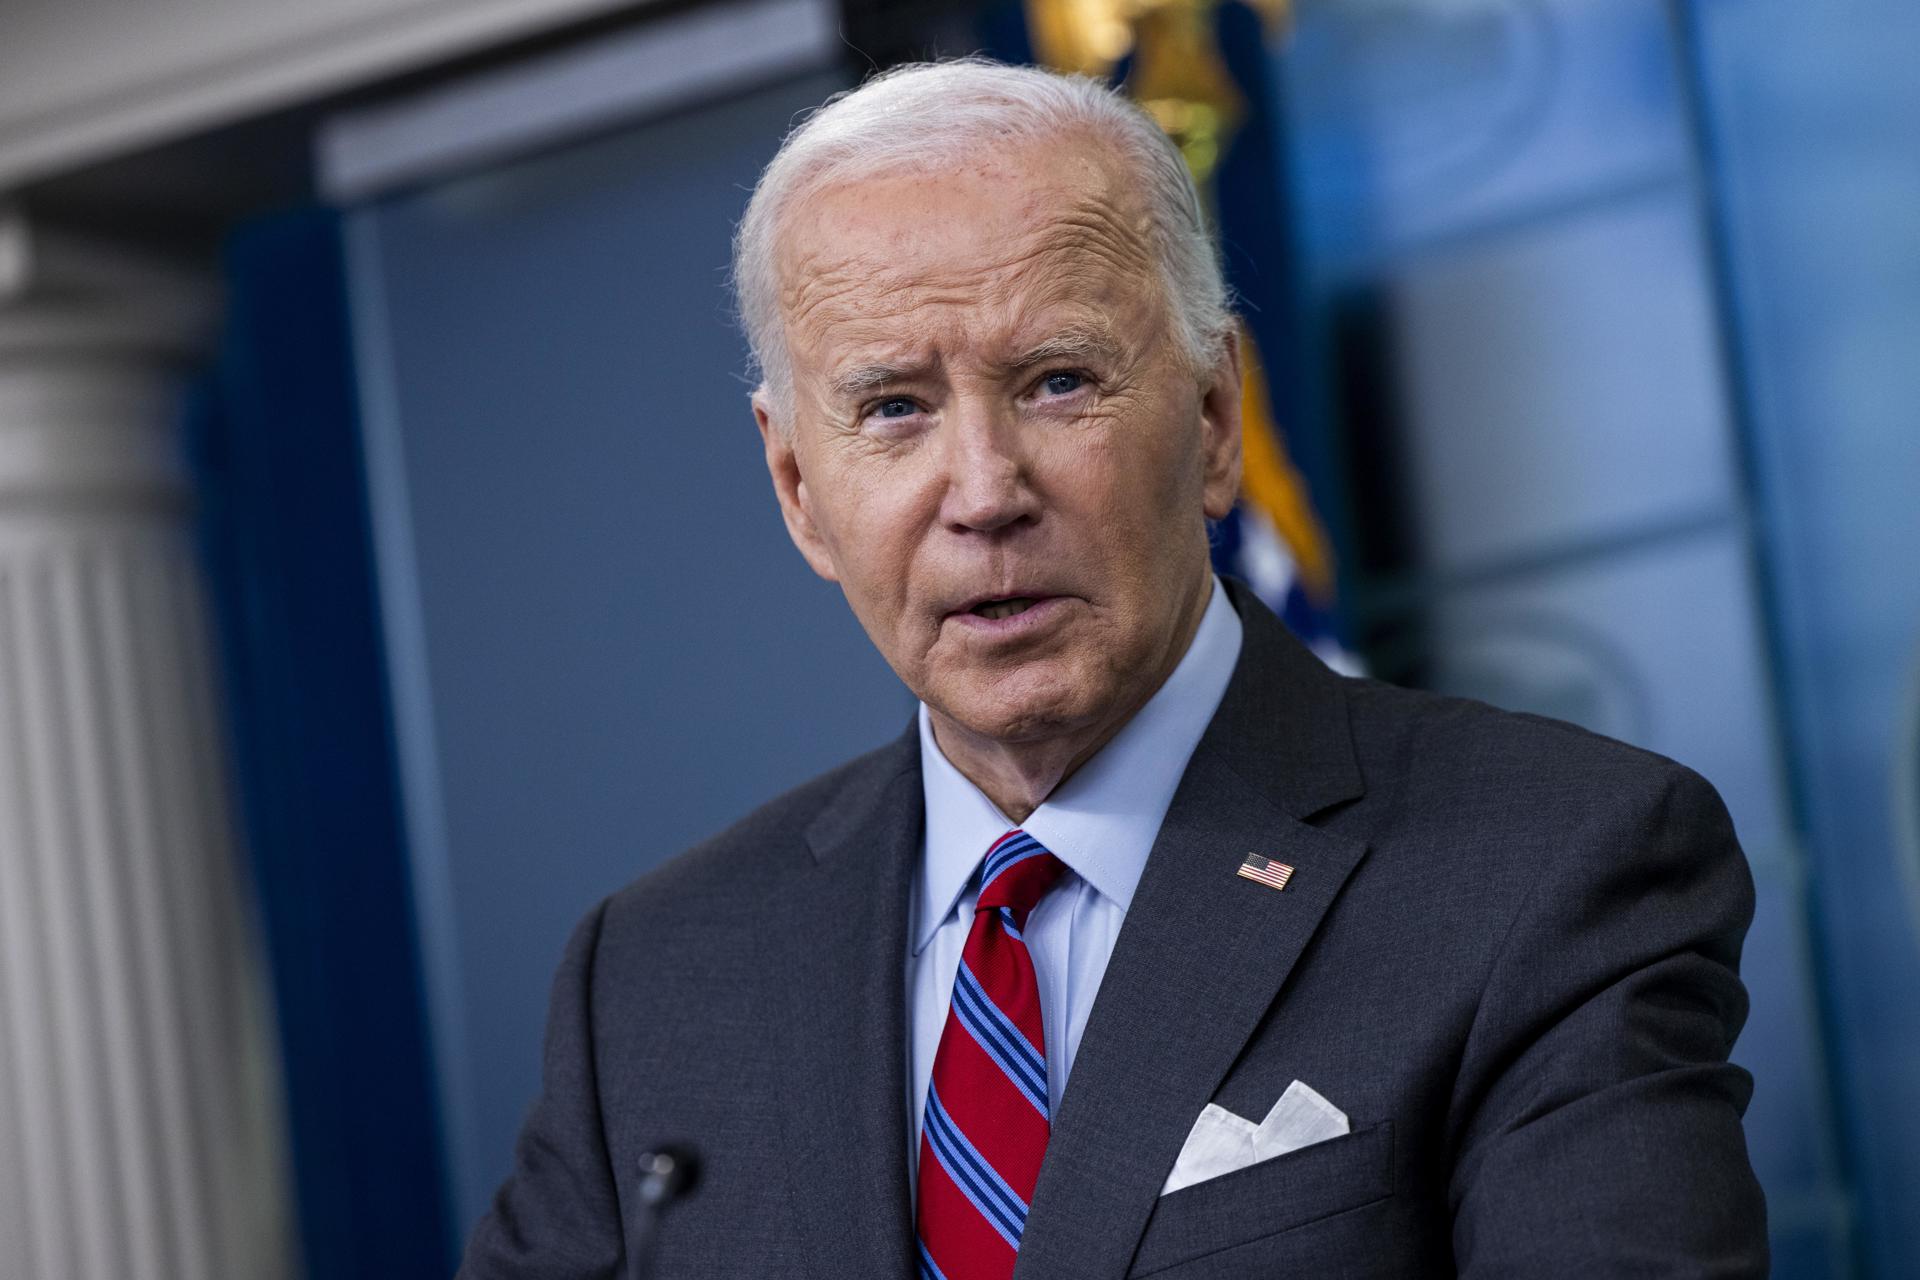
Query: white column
{"x": 140, "y": 1125}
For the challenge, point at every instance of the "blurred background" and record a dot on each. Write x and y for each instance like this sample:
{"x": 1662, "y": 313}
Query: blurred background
{"x": 387, "y": 569}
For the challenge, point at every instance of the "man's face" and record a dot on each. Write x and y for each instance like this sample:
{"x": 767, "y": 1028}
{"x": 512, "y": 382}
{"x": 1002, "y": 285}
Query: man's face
{"x": 997, "y": 448}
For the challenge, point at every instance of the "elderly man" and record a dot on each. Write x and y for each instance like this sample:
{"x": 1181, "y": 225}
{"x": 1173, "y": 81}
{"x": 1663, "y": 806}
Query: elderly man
{"x": 1152, "y": 947}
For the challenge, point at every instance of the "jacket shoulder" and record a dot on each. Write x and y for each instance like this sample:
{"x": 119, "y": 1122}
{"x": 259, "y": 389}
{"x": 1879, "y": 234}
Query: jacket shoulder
{"x": 771, "y": 838}
{"x": 1438, "y": 753}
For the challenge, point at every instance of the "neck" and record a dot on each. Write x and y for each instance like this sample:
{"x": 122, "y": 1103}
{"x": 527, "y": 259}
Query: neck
{"x": 1018, "y": 776}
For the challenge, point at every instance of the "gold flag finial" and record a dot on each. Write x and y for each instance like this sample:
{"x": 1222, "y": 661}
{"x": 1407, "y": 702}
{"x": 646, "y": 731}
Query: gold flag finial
{"x": 1177, "y": 73}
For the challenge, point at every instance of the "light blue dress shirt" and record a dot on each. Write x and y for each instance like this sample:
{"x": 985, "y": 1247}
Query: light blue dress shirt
{"x": 1101, "y": 822}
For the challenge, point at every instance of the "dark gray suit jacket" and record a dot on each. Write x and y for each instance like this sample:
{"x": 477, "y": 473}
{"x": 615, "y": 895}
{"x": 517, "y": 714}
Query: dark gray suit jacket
{"x": 1509, "y": 953}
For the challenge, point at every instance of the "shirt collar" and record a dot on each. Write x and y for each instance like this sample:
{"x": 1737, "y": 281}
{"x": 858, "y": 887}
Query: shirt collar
{"x": 1102, "y": 821}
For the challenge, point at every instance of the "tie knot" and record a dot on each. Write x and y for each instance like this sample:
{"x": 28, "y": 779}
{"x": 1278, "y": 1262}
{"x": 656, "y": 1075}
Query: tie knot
{"x": 1017, "y": 874}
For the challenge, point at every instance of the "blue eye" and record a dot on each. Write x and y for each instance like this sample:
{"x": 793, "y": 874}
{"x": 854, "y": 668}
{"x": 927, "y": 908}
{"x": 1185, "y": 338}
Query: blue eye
{"x": 1063, "y": 384}
{"x": 896, "y": 408}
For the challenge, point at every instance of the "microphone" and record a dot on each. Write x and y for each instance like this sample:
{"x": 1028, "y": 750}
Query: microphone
{"x": 667, "y": 1174}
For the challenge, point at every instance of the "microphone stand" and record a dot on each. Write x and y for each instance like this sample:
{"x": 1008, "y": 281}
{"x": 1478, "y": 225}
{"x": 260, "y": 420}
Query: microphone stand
{"x": 666, "y": 1175}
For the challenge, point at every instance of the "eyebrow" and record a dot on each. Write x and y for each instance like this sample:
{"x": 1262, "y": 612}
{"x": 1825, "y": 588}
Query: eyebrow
{"x": 862, "y": 378}
{"x": 1076, "y": 343}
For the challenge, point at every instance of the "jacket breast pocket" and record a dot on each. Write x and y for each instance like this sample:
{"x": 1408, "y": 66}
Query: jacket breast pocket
{"x": 1264, "y": 1199}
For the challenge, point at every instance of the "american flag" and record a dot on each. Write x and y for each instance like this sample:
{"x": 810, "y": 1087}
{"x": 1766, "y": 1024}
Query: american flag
{"x": 1265, "y": 870}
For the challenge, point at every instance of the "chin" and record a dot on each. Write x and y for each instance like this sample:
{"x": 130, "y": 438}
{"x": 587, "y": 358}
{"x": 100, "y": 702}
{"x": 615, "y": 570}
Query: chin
{"x": 1022, "y": 707}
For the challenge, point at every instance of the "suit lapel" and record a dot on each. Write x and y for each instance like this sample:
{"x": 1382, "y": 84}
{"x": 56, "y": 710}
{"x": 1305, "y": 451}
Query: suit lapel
{"x": 843, "y": 1018}
{"x": 1203, "y": 954}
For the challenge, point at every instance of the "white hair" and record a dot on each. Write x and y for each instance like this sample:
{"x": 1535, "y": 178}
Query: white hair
{"x": 927, "y": 115}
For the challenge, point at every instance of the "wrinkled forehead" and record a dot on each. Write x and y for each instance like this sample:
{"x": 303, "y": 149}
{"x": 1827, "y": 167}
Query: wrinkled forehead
{"x": 986, "y": 242}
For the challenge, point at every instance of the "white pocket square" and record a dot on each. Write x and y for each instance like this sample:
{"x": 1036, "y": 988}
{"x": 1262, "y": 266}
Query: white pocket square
{"x": 1221, "y": 1141}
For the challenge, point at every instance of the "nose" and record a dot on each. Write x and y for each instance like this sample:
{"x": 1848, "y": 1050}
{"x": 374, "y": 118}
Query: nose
{"x": 989, "y": 485}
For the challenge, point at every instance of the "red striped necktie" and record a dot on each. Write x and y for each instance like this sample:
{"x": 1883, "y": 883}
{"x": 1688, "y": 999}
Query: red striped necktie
{"x": 986, "y": 1123}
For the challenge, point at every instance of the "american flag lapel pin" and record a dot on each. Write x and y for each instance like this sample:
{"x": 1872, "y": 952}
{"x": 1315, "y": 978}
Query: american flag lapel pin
{"x": 1265, "y": 871}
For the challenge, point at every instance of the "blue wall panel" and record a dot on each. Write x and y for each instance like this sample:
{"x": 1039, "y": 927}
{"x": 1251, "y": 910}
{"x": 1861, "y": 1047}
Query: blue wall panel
{"x": 1520, "y": 317}
{"x": 1815, "y": 124}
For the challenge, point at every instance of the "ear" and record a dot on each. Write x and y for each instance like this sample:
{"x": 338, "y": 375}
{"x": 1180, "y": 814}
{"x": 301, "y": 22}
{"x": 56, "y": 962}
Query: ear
{"x": 790, "y": 487}
{"x": 1220, "y": 429}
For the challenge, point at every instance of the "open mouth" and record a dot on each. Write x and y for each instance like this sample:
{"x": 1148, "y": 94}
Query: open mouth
{"x": 994, "y": 610}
